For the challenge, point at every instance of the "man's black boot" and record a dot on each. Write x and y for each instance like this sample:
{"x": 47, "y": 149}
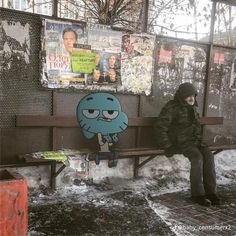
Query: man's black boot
{"x": 215, "y": 200}
{"x": 201, "y": 200}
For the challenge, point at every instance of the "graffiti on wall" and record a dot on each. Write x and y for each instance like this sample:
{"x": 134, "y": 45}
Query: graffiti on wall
{"x": 178, "y": 62}
{"x": 222, "y": 94}
{"x": 222, "y": 81}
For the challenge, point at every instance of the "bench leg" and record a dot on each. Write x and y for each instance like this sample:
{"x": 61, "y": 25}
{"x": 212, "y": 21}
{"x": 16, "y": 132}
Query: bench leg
{"x": 136, "y": 164}
{"x": 60, "y": 170}
{"x": 53, "y": 175}
{"x": 217, "y": 151}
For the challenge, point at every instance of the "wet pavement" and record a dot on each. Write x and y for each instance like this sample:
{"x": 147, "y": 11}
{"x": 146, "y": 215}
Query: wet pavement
{"x": 186, "y": 218}
{"x": 116, "y": 209}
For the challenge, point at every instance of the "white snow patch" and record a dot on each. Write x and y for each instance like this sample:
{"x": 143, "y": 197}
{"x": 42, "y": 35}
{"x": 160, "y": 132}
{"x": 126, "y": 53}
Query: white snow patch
{"x": 163, "y": 174}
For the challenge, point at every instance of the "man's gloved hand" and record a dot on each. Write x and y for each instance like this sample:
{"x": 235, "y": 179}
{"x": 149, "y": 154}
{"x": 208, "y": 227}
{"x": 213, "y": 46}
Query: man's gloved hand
{"x": 170, "y": 151}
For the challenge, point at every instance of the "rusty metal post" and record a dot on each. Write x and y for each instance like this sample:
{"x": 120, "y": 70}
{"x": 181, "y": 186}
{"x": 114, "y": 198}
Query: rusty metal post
{"x": 140, "y": 99}
{"x": 208, "y": 61}
{"x": 145, "y": 15}
{"x": 55, "y": 8}
{"x": 53, "y": 175}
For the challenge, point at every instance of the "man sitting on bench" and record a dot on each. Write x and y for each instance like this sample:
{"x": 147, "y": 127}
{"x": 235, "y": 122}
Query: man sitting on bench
{"x": 178, "y": 130}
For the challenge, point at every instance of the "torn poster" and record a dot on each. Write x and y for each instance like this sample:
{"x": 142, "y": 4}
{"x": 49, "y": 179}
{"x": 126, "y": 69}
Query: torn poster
{"x": 137, "y": 62}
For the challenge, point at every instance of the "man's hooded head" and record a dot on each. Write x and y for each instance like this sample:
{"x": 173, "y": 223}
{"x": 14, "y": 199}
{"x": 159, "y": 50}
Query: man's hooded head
{"x": 184, "y": 91}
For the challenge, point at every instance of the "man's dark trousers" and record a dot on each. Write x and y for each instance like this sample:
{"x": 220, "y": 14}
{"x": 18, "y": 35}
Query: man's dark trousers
{"x": 202, "y": 172}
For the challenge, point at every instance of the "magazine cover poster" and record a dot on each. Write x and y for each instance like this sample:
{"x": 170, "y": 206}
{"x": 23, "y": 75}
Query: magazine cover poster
{"x": 102, "y": 38}
{"x": 59, "y": 40}
{"x": 106, "y": 43}
{"x": 107, "y": 69}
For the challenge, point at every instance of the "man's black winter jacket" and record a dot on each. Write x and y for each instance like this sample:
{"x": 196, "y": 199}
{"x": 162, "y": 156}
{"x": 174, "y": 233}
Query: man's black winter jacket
{"x": 178, "y": 124}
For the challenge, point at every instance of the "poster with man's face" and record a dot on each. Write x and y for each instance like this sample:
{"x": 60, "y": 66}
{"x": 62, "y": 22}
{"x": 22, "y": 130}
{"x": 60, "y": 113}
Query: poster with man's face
{"x": 95, "y": 57}
{"x": 106, "y": 43}
{"x": 107, "y": 71}
{"x": 59, "y": 40}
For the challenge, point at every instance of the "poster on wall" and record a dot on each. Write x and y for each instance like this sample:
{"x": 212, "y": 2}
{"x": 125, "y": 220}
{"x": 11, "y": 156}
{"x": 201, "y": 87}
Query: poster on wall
{"x": 219, "y": 58}
{"x": 106, "y": 43}
{"x": 137, "y": 63}
{"x": 95, "y": 57}
{"x": 82, "y": 59}
{"x": 58, "y": 45}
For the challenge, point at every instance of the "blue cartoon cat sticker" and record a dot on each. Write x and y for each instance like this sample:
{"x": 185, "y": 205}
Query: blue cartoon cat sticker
{"x": 101, "y": 114}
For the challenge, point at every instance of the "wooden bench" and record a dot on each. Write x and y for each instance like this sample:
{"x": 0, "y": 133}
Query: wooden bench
{"x": 136, "y": 152}
{"x": 139, "y": 123}
{"x": 152, "y": 152}
{"x": 26, "y": 161}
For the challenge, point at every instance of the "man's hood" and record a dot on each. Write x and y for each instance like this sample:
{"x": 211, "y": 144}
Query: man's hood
{"x": 185, "y": 90}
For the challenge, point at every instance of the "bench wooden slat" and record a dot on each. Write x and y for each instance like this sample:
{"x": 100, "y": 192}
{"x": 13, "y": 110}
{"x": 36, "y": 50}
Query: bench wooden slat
{"x": 68, "y": 121}
{"x": 155, "y": 151}
{"x": 71, "y": 121}
{"x": 212, "y": 120}
{"x": 27, "y": 163}
{"x": 141, "y": 121}
{"x": 139, "y": 152}
{"x": 222, "y": 147}
{"x": 46, "y": 121}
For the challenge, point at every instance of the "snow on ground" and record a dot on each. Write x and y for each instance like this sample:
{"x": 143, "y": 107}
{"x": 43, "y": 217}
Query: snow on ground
{"x": 169, "y": 174}
{"x": 110, "y": 194}
{"x": 226, "y": 167}
{"x": 163, "y": 175}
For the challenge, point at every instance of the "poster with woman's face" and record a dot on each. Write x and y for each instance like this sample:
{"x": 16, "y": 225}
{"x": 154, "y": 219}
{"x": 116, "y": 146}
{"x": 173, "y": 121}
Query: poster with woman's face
{"x": 107, "y": 45}
{"x": 108, "y": 68}
{"x": 94, "y": 57}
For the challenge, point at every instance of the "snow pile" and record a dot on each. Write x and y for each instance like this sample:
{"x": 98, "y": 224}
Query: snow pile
{"x": 225, "y": 167}
{"x": 161, "y": 172}
{"x": 160, "y": 176}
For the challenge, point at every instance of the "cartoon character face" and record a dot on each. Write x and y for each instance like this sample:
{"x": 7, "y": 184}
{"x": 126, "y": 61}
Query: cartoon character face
{"x": 101, "y": 113}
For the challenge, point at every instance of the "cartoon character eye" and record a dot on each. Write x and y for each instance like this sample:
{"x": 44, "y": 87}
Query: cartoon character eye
{"x": 90, "y": 113}
{"x": 110, "y": 114}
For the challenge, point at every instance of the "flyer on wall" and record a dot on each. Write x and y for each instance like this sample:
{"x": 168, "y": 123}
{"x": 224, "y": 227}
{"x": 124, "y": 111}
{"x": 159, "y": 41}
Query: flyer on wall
{"x": 137, "y": 65}
{"x": 58, "y": 44}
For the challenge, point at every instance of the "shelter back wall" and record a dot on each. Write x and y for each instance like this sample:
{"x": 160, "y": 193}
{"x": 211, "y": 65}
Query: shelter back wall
{"x": 21, "y": 92}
